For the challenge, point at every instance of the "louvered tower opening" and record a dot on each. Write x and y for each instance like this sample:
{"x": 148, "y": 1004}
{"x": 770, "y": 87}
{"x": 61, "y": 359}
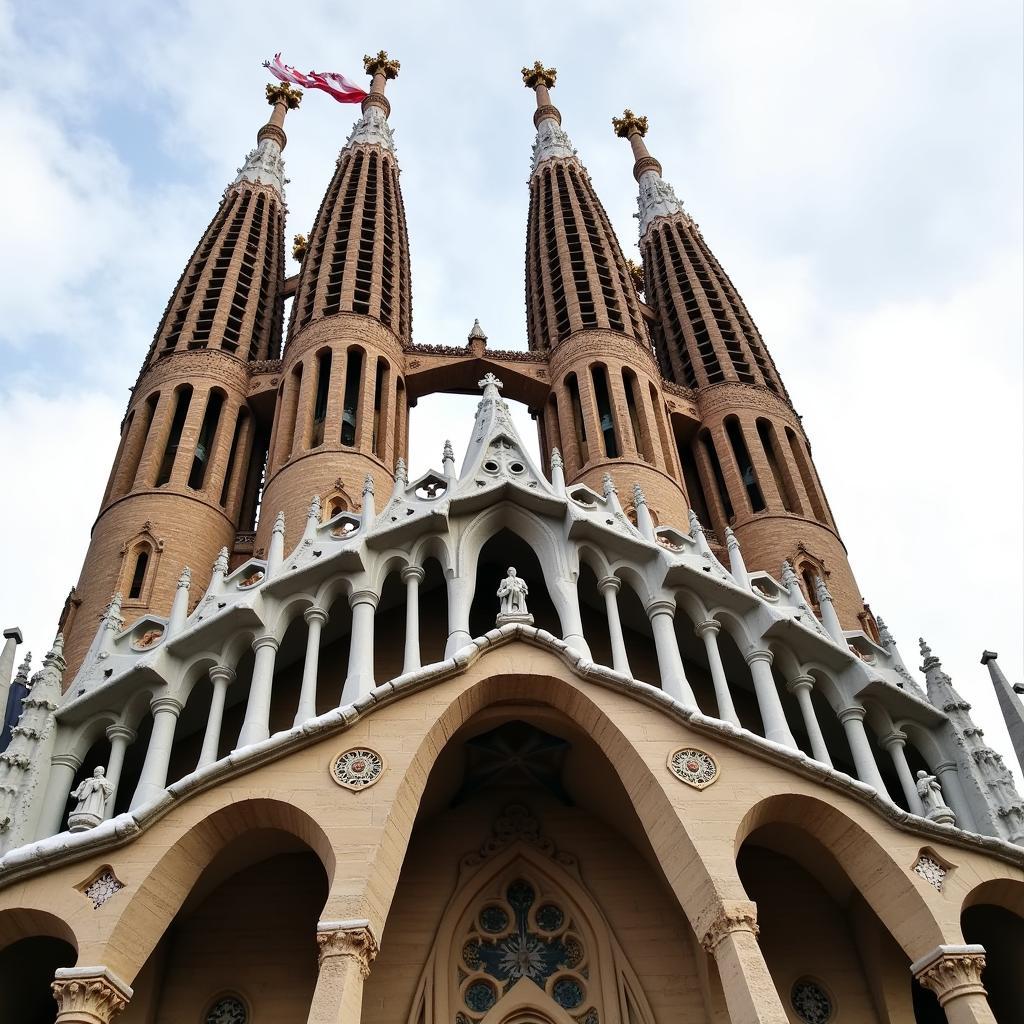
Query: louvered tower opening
{"x": 218, "y": 276}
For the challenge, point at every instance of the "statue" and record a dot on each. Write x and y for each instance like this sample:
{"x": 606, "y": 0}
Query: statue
{"x": 930, "y": 792}
{"x": 92, "y": 795}
{"x": 512, "y": 593}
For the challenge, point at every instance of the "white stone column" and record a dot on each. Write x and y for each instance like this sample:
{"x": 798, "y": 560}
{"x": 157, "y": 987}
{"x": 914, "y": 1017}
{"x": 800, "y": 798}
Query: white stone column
{"x": 708, "y": 632}
{"x": 895, "y": 743}
{"x": 801, "y": 688}
{"x": 864, "y": 761}
{"x": 256, "y": 725}
{"x": 222, "y": 677}
{"x": 412, "y": 575}
{"x": 12, "y": 637}
{"x": 58, "y": 789}
{"x": 316, "y": 619}
{"x": 609, "y": 586}
{"x": 153, "y": 780}
{"x": 948, "y": 774}
{"x": 670, "y": 664}
{"x": 776, "y": 728}
{"x": 460, "y": 598}
{"x": 359, "y": 681}
{"x": 120, "y": 737}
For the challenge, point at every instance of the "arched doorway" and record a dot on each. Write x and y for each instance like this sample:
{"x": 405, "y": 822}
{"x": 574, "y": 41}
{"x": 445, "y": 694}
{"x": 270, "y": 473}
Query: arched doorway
{"x": 33, "y": 945}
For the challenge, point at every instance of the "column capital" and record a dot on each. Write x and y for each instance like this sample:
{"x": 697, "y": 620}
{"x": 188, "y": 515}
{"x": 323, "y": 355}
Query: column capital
{"x": 800, "y": 682}
{"x": 661, "y": 607}
{"x": 89, "y": 994}
{"x": 752, "y": 657}
{"x": 712, "y": 626}
{"x": 316, "y": 614}
{"x": 854, "y": 713}
{"x": 171, "y": 704}
{"x": 223, "y": 673}
{"x": 734, "y": 916}
{"x": 946, "y": 766}
{"x": 612, "y": 583}
{"x": 266, "y": 641}
{"x": 363, "y": 597}
{"x": 951, "y": 971}
{"x": 413, "y": 572}
{"x": 119, "y": 731}
{"x": 896, "y": 738}
{"x": 72, "y": 761}
{"x": 353, "y": 939}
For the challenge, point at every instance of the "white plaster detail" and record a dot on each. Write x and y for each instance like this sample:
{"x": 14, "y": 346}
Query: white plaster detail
{"x": 102, "y": 887}
{"x": 552, "y": 141}
{"x": 358, "y": 768}
{"x": 931, "y": 871}
{"x": 371, "y": 129}
{"x": 695, "y": 767}
{"x": 657, "y": 198}
{"x": 263, "y": 166}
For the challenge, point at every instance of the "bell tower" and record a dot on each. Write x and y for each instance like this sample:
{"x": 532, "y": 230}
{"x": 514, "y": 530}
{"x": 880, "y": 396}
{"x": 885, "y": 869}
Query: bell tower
{"x": 606, "y": 411}
{"x": 342, "y": 412}
{"x": 181, "y": 478}
{"x": 748, "y": 464}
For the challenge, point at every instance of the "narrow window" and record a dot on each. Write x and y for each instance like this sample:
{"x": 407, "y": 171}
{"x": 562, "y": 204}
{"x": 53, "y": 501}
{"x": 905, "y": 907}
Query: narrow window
{"x": 577, "y": 414}
{"x": 174, "y": 437}
{"x": 138, "y": 576}
{"x": 135, "y": 455}
{"x": 746, "y": 467}
{"x": 805, "y": 475}
{"x": 807, "y": 573}
{"x": 643, "y": 441}
{"x": 716, "y": 471}
{"x": 767, "y": 434}
{"x": 604, "y": 411}
{"x": 207, "y": 435}
{"x": 353, "y": 383}
{"x": 255, "y": 477}
{"x": 381, "y": 383}
{"x": 323, "y": 387}
{"x": 233, "y": 455}
{"x": 694, "y": 488}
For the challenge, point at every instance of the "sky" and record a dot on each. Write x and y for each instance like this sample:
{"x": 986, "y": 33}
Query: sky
{"x": 856, "y": 168}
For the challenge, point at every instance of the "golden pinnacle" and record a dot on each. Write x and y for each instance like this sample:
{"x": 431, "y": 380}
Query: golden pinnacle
{"x": 381, "y": 64}
{"x": 283, "y": 91}
{"x": 636, "y": 272}
{"x": 299, "y": 245}
{"x": 539, "y": 75}
{"x": 627, "y": 124}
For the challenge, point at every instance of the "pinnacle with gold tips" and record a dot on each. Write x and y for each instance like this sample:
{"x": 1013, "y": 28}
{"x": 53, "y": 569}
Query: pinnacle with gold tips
{"x": 539, "y": 75}
{"x": 284, "y": 93}
{"x": 299, "y": 245}
{"x": 381, "y": 64}
{"x": 627, "y": 124}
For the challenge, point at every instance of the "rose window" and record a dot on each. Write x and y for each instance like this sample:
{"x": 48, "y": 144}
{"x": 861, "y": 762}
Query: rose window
{"x": 227, "y": 1010}
{"x": 811, "y": 1002}
{"x": 524, "y": 935}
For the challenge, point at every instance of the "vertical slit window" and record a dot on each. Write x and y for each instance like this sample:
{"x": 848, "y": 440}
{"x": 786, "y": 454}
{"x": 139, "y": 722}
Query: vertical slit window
{"x": 599, "y": 375}
{"x": 378, "y": 398}
{"x": 339, "y": 245}
{"x": 138, "y": 576}
{"x": 289, "y": 414}
{"x": 572, "y": 384}
{"x": 806, "y": 476}
{"x": 255, "y": 478}
{"x": 323, "y": 389}
{"x": 694, "y": 488}
{"x": 232, "y": 456}
{"x": 708, "y": 444}
{"x": 350, "y": 408}
{"x": 204, "y": 446}
{"x": 174, "y": 436}
{"x": 662, "y": 415}
{"x": 747, "y": 474}
{"x": 643, "y": 442}
{"x": 767, "y": 436}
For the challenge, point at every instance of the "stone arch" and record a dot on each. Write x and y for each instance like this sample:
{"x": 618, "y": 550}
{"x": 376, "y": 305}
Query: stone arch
{"x": 33, "y": 945}
{"x": 1000, "y": 892}
{"x": 287, "y": 611}
{"x": 390, "y": 562}
{"x": 146, "y": 544}
{"x": 338, "y": 585}
{"x": 520, "y": 1005}
{"x": 433, "y": 546}
{"x": 529, "y": 527}
{"x": 32, "y": 922}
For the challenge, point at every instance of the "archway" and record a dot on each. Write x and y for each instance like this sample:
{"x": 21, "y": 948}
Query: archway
{"x": 33, "y": 944}
{"x": 993, "y": 916}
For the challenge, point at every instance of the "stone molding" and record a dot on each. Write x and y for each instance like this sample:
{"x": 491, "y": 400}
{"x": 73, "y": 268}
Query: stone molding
{"x": 952, "y": 971}
{"x": 353, "y": 939}
{"x": 732, "y": 395}
{"x": 89, "y": 994}
{"x": 739, "y": 916}
{"x": 191, "y": 366}
{"x": 598, "y": 345}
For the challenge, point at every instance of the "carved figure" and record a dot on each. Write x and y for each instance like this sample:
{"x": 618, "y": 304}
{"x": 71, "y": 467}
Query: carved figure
{"x": 512, "y": 591}
{"x": 930, "y": 792}
{"x": 92, "y": 795}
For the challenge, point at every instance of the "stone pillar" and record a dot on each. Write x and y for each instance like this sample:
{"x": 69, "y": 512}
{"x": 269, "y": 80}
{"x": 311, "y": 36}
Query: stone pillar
{"x": 670, "y": 665}
{"x": 776, "y": 728}
{"x": 708, "y": 632}
{"x": 346, "y": 951}
{"x": 316, "y": 619}
{"x": 120, "y": 737}
{"x": 12, "y": 637}
{"x": 460, "y": 598}
{"x": 411, "y": 577}
{"x": 895, "y": 743}
{"x": 256, "y": 726}
{"x": 153, "y": 780}
{"x": 609, "y": 586}
{"x": 949, "y": 778}
{"x": 801, "y": 688}
{"x": 359, "y": 681}
{"x": 864, "y": 761}
{"x": 89, "y": 995}
{"x": 58, "y": 789}
{"x": 953, "y": 973}
{"x": 222, "y": 677}
{"x": 750, "y": 993}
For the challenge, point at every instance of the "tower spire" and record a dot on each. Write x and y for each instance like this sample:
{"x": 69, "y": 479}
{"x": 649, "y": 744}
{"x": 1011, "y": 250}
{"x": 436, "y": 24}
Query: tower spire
{"x": 264, "y": 165}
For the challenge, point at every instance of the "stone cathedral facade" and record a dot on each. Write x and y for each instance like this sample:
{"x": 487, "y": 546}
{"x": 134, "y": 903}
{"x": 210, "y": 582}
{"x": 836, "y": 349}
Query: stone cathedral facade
{"x": 612, "y": 739}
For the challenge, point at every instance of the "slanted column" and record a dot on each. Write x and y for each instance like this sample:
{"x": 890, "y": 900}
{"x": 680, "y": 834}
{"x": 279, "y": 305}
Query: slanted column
{"x": 89, "y": 995}
{"x": 120, "y": 736}
{"x": 953, "y": 973}
{"x": 864, "y": 761}
{"x": 776, "y": 728}
{"x": 222, "y": 677}
{"x": 894, "y": 743}
{"x": 412, "y": 575}
{"x": 58, "y": 788}
{"x": 316, "y": 619}
{"x": 708, "y": 632}
{"x": 670, "y": 664}
{"x": 750, "y": 993}
{"x": 948, "y": 773}
{"x": 346, "y": 951}
{"x": 801, "y": 688}
{"x": 256, "y": 725}
{"x": 609, "y": 586}
{"x": 360, "y": 681}
{"x": 153, "y": 780}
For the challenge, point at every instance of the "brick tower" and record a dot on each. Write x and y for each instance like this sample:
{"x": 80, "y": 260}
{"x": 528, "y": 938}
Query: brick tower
{"x": 182, "y": 482}
{"x": 341, "y": 405}
{"x": 606, "y": 410}
{"x": 747, "y": 463}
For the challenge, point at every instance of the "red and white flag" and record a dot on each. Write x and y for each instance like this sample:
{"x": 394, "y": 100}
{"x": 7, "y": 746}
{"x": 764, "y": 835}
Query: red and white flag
{"x": 330, "y": 82}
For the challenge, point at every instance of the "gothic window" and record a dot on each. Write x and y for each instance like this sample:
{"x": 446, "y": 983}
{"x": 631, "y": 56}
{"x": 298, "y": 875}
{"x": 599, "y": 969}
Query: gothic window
{"x": 747, "y": 474}
{"x": 227, "y": 1009}
{"x": 184, "y": 398}
{"x": 599, "y": 375}
{"x": 138, "y": 575}
{"x": 353, "y": 386}
{"x": 323, "y": 387}
{"x": 207, "y": 435}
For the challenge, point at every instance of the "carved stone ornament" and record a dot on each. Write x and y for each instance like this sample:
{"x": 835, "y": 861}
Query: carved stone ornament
{"x": 952, "y": 971}
{"x": 695, "y": 767}
{"x": 101, "y": 887}
{"x": 227, "y": 1010}
{"x": 349, "y": 939}
{"x": 89, "y": 993}
{"x": 358, "y": 768}
{"x": 811, "y": 1003}
{"x": 930, "y": 870}
{"x": 738, "y": 918}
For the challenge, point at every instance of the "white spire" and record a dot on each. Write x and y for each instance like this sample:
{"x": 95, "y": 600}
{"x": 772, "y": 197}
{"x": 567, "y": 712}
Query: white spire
{"x": 371, "y": 129}
{"x": 552, "y": 141}
{"x": 263, "y": 166}
{"x": 656, "y": 199}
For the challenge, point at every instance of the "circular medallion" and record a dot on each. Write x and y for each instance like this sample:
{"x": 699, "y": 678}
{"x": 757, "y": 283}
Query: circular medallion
{"x": 481, "y": 996}
{"x": 696, "y": 768}
{"x": 811, "y": 1002}
{"x": 227, "y": 1010}
{"x": 357, "y": 768}
{"x": 568, "y": 993}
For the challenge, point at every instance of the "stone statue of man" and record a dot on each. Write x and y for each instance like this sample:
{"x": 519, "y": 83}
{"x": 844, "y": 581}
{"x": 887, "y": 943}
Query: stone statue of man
{"x": 930, "y": 792}
{"x": 512, "y": 592}
{"x": 92, "y": 795}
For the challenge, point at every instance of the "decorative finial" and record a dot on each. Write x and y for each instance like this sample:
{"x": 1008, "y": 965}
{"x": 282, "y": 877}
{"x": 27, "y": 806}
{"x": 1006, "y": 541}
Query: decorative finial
{"x": 315, "y": 507}
{"x": 185, "y": 579}
{"x": 627, "y": 124}
{"x": 381, "y": 64}
{"x": 636, "y": 274}
{"x": 639, "y": 498}
{"x": 55, "y": 655}
{"x": 400, "y": 472}
{"x": 556, "y": 458}
{"x": 730, "y": 538}
{"x": 789, "y": 579}
{"x": 300, "y": 243}
{"x": 221, "y": 565}
{"x": 926, "y": 651}
{"x": 279, "y": 523}
{"x": 368, "y": 484}
{"x": 24, "y": 668}
{"x": 448, "y": 452}
{"x": 695, "y": 526}
{"x": 477, "y": 333}
{"x": 282, "y": 92}
{"x": 113, "y": 610}
{"x": 608, "y": 485}
{"x": 539, "y": 75}
{"x": 820, "y": 590}
{"x": 489, "y": 380}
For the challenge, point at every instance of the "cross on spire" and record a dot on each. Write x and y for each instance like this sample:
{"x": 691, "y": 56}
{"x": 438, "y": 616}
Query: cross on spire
{"x": 489, "y": 380}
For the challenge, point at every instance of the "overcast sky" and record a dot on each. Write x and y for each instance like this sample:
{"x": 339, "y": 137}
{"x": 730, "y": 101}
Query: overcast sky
{"x": 856, "y": 167}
